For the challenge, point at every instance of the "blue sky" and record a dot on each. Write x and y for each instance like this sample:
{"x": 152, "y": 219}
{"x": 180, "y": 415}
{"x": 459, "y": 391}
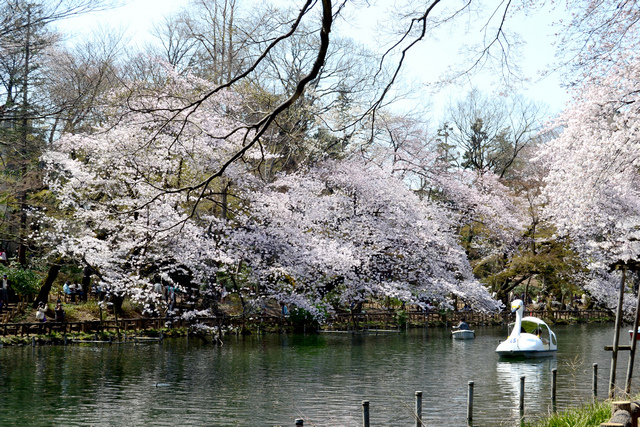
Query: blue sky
{"x": 424, "y": 65}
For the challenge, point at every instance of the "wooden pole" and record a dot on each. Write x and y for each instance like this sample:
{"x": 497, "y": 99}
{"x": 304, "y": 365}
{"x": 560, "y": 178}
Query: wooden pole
{"x": 521, "y": 396}
{"x": 365, "y": 413}
{"x": 115, "y": 314}
{"x": 616, "y": 337}
{"x": 554, "y": 383}
{"x": 419, "y": 409}
{"x": 632, "y": 353}
{"x": 470, "y": 403}
{"x": 595, "y": 381}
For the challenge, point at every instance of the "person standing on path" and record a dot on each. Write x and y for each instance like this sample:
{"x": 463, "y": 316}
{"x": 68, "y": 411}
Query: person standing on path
{"x": 40, "y": 312}
{"x": 159, "y": 289}
{"x": 59, "y": 312}
{"x": 4, "y": 291}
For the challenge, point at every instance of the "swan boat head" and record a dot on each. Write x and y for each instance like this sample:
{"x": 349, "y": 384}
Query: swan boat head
{"x": 517, "y": 306}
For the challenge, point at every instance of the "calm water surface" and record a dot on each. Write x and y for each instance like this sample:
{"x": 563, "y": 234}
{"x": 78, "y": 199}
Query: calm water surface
{"x": 272, "y": 380}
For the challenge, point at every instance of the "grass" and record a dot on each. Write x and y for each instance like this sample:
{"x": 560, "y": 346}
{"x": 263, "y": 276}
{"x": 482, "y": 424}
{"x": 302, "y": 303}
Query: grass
{"x": 591, "y": 415}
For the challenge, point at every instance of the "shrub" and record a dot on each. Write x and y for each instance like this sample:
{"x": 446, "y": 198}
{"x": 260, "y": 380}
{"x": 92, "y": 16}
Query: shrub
{"x": 585, "y": 416}
{"x": 401, "y": 317}
{"x": 23, "y": 281}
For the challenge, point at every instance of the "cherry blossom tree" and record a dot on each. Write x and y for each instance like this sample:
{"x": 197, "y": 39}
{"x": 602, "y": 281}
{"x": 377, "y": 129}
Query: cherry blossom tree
{"x": 28, "y": 40}
{"x": 117, "y": 186}
{"x": 593, "y": 182}
{"x": 337, "y": 233}
{"x": 345, "y": 232}
{"x": 597, "y": 34}
{"x": 489, "y": 217}
{"x": 157, "y": 176}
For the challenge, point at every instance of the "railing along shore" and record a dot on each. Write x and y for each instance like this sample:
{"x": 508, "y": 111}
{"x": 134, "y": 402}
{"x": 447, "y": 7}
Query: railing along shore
{"x": 435, "y": 317}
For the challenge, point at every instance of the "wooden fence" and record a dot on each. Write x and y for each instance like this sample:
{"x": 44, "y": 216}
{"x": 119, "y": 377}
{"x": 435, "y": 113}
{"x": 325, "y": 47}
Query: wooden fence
{"x": 435, "y": 317}
{"x": 616, "y": 421}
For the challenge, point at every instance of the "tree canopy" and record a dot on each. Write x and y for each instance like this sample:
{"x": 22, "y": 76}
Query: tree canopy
{"x": 257, "y": 151}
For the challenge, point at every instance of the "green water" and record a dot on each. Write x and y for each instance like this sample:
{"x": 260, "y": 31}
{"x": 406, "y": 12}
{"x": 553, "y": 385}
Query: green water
{"x": 272, "y": 380}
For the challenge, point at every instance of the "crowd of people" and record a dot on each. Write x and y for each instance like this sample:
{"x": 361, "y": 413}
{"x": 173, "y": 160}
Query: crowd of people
{"x": 41, "y": 312}
{"x": 168, "y": 294}
{"x": 75, "y": 293}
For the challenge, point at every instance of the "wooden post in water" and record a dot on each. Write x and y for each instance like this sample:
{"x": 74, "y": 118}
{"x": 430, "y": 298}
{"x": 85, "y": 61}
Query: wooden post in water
{"x": 470, "y": 403}
{"x": 115, "y": 314}
{"x": 419, "y": 409}
{"x": 632, "y": 354}
{"x": 595, "y": 381}
{"x": 616, "y": 337}
{"x": 554, "y": 383}
{"x": 521, "y": 396}
{"x": 365, "y": 413}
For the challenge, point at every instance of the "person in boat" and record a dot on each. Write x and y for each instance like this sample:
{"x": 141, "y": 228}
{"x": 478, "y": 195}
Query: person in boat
{"x": 463, "y": 325}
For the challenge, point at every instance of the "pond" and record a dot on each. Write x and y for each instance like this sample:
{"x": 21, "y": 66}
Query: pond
{"x": 270, "y": 380}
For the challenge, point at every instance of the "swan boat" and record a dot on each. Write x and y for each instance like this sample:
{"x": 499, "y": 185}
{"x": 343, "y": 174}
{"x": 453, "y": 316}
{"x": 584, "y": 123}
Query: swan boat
{"x": 530, "y": 337}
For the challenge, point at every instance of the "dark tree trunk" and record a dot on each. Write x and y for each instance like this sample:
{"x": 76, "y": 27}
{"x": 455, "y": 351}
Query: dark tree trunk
{"x": 86, "y": 281}
{"x": 43, "y": 295}
{"x": 117, "y": 303}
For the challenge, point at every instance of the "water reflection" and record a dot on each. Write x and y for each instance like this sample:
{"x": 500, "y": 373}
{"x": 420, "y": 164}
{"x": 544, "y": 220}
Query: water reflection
{"x": 462, "y": 345}
{"x": 271, "y": 380}
{"x": 537, "y": 373}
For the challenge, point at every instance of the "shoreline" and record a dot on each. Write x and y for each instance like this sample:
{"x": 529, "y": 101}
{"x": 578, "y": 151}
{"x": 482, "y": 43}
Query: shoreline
{"x": 216, "y": 328}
